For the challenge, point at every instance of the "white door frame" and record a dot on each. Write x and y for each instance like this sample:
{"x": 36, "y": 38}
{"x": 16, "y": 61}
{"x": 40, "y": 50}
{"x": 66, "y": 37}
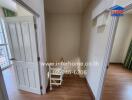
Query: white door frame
{"x": 112, "y": 31}
{"x": 39, "y": 35}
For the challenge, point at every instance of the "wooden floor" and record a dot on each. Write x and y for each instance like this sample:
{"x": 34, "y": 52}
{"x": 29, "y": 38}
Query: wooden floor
{"x": 73, "y": 88}
{"x": 118, "y": 84}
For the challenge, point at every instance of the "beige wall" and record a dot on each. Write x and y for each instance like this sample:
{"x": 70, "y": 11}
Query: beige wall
{"x": 63, "y": 36}
{"x": 122, "y": 39}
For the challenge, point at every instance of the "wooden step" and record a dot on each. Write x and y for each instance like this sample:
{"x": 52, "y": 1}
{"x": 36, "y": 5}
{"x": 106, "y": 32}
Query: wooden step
{"x": 55, "y": 83}
{"x": 56, "y": 74}
{"x": 59, "y": 79}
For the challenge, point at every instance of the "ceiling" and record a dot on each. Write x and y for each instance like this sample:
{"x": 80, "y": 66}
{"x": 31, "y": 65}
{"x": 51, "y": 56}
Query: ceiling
{"x": 66, "y": 6}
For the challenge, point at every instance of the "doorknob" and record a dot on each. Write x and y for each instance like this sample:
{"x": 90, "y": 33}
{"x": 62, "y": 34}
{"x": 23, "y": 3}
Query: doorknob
{"x": 12, "y": 59}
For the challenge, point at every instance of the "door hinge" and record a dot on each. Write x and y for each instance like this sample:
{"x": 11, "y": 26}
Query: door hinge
{"x": 35, "y": 26}
{"x": 41, "y": 87}
{"x": 38, "y": 58}
{"x": 107, "y": 67}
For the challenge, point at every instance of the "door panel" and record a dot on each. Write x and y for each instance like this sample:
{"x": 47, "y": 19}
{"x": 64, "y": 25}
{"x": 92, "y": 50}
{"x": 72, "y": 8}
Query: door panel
{"x": 20, "y": 41}
{"x": 14, "y": 39}
{"x": 22, "y": 36}
{"x": 27, "y": 41}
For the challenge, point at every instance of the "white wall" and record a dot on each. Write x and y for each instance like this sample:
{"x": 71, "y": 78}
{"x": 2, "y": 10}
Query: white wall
{"x": 63, "y": 36}
{"x": 122, "y": 39}
{"x": 93, "y": 45}
{"x": 37, "y": 5}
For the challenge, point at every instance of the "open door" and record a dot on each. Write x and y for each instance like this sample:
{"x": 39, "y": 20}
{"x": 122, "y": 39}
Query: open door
{"x": 3, "y": 92}
{"x": 24, "y": 55}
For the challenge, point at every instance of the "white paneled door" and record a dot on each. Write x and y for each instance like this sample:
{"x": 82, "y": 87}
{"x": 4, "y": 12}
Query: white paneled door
{"x": 23, "y": 46}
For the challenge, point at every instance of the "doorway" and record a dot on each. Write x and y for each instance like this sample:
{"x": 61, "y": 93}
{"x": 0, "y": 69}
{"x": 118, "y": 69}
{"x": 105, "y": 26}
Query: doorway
{"x": 118, "y": 79}
{"x": 19, "y": 48}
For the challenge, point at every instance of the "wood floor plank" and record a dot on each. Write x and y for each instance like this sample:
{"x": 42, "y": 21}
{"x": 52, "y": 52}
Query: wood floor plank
{"x": 118, "y": 83}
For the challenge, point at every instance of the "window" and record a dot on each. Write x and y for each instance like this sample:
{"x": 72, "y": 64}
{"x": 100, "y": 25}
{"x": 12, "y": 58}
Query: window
{"x": 4, "y": 54}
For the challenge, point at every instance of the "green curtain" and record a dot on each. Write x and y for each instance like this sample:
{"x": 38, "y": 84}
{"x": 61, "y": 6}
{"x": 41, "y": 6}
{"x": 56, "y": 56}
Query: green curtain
{"x": 8, "y": 13}
{"x": 128, "y": 60}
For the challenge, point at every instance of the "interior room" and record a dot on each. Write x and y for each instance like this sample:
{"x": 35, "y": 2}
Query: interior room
{"x": 118, "y": 78}
{"x": 122, "y": 40}
{"x": 63, "y": 31}
{"x": 72, "y": 34}
{"x": 64, "y": 23}
{"x": 63, "y": 28}
{"x": 63, "y": 35}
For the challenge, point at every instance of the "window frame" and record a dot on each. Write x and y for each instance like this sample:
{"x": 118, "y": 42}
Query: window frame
{"x": 5, "y": 44}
